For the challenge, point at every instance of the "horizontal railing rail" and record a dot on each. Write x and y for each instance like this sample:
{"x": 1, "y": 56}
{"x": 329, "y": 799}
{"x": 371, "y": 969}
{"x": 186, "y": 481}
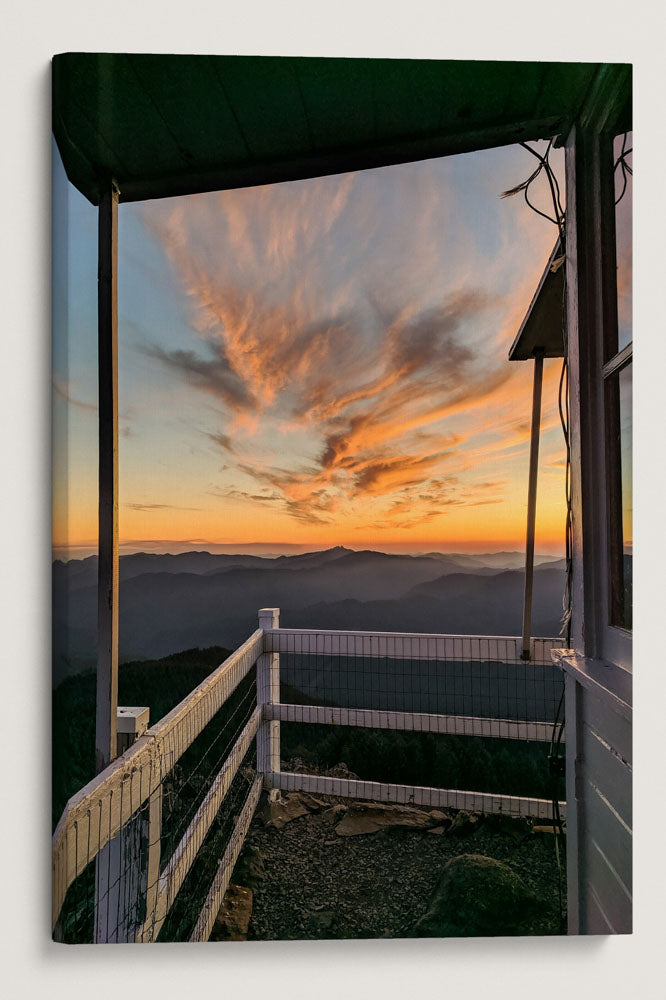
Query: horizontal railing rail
{"x": 412, "y": 722}
{"x": 416, "y": 795}
{"x": 407, "y": 645}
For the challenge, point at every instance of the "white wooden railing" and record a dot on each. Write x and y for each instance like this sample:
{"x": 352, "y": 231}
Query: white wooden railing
{"x": 106, "y": 821}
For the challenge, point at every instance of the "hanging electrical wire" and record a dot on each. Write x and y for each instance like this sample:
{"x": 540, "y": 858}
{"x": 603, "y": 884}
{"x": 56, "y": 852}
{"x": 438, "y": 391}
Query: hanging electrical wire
{"x": 624, "y": 166}
{"x": 558, "y": 218}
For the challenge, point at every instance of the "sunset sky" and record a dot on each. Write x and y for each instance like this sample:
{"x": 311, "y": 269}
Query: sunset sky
{"x": 314, "y": 363}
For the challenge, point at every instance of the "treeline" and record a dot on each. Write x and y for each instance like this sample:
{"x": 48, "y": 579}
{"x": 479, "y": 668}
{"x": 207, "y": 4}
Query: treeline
{"x": 159, "y": 684}
{"x": 469, "y": 763}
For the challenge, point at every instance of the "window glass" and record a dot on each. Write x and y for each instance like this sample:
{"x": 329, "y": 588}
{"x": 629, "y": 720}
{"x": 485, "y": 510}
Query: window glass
{"x": 619, "y": 422}
{"x": 625, "y": 394}
{"x": 622, "y": 159}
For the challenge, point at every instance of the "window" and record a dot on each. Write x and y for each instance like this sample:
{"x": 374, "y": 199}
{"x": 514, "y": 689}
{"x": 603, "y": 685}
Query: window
{"x": 617, "y": 375}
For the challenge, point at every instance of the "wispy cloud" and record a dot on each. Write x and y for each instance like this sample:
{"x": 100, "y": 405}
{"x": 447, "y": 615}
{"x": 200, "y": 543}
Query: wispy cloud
{"x": 157, "y": 506}
{"x": 364, "y": 327}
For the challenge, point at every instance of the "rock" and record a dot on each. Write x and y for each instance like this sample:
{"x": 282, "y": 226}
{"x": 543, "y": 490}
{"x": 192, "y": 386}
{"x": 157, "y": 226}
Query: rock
{"x": 478, "y": 897}
{"x": 296, "y": 766}
{"x": 281, "y": 811}
{"x": 249, "y": 869}
{"x": 544, "y": 829}
{"x": 437, "y": 829}
{"x": 320, "y": 920}
{"x": 340, "y": 771}
{"x": 310, "y": 802}
{"x": 439, "y": 816}
{"x": 333, "y": 814}
{"x": 464, "y": 823}
{"x": 369, "y": 817}
{"x": 233, "y": 918}
{"x": 515, "y": 827}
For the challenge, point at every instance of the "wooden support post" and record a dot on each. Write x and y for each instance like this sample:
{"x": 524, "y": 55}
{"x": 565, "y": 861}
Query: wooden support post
{"x": 575, "y": 833}
{"x": 268, "y": 693}
{"x": 531, "y": 502}
{"x": 153, "y": 832}
{"x": 107, "y": 572}
{"x": 123, "y": 879}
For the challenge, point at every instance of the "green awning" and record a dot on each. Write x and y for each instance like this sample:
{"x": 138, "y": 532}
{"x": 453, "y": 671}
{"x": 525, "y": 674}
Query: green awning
{"x": 163, "y": 125}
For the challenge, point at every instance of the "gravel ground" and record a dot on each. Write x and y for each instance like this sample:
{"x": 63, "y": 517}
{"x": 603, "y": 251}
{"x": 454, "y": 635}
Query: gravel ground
{"x": 319, "y": 885}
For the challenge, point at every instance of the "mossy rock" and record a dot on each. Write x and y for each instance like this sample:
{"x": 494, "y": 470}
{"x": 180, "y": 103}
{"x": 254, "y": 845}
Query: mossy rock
{"x": 479, "y": 897}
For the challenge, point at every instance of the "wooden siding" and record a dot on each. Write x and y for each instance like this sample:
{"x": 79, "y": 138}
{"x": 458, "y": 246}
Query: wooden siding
{"x": 606, "y": 816}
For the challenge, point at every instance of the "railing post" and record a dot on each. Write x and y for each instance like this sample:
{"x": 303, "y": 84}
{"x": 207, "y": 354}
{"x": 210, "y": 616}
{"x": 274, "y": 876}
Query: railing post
{"x": 268, "y": 693}
{"x": 121, "y": 880}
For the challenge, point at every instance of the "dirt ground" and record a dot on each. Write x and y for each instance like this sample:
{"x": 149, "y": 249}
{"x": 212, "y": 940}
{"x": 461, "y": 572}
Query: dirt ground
{"x": 316, "y": 884}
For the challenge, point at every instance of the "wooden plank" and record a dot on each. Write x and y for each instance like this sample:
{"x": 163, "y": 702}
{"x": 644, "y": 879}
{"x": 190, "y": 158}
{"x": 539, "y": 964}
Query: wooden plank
{"x": 185, "y": 853}
{"x": 573, "y": 707}
{"x": 611, "y": 895}
{"x": 531, "y": 502}
{"x": 107, "y": 564}
{"x": 612, "y": 727}
{"x": 597, "y": 921}
{"x": 608, "y": 773}
{"x": 398, "y": 645}
{"x": 153, "y": 866}
{"x": 415, "y": 795}
{"x": 204, "y": 925}
{"x": 268, "y": 692}
{"x": 96, "y": 813}
{"x": 606, "y": 833}
{"x": 607, "y": 683}
{"x": 458, "y": 725}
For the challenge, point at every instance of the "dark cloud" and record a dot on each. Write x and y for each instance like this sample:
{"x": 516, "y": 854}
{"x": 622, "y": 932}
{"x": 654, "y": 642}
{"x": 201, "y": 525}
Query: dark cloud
{"x": 214, "y": 375}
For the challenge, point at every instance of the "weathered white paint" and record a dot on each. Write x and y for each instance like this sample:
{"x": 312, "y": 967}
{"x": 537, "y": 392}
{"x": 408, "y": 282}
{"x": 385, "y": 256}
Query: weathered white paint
{"x": 415, "y": 795}
{"x": 206, "y": 920}
{"x": 97, "y": 813}
{"x": 183, "y": 857}
{"x": 458, "y": 725}
{"x": 268, "y": 692}
{"x": 599, "y": 797}
{"x": 531, "y": 502}
{"x": 132, "y": 719}
{"x": 406, "y": 645}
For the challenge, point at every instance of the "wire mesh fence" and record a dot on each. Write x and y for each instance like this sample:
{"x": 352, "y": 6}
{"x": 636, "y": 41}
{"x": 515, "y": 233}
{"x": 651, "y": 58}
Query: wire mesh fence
{"x": 146, "y": 850}
{"x": 127, "y": 842}
{"x": 465, "y": 676}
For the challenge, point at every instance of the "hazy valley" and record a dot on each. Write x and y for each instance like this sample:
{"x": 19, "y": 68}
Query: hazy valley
{"x": 197, "y": 599}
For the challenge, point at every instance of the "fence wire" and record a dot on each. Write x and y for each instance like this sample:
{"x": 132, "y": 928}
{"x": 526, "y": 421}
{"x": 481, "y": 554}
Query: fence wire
{"x": 153, "y": 847}
{"x": 116, "y": 895}
{"x": 467, "y": 676}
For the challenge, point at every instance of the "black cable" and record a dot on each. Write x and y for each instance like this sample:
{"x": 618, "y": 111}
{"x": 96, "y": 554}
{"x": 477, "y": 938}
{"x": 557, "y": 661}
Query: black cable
{"x": 559, "y": 219}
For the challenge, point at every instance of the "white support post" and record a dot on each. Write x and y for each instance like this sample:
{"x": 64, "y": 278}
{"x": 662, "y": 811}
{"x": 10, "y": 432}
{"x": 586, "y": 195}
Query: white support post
{"x": 531, "y": 502}
{"x": 268, "y": 693}
{"x": 575, "y": 815}
{"x": 121, "y": 880}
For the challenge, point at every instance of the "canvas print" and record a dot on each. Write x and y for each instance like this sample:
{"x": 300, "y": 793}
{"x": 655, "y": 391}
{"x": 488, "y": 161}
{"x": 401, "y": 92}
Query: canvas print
{"x": 342, "y": 498}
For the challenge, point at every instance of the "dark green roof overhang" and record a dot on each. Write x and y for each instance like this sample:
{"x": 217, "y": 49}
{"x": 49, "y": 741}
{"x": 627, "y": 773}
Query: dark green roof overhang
{"x": 163, "y": 125}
